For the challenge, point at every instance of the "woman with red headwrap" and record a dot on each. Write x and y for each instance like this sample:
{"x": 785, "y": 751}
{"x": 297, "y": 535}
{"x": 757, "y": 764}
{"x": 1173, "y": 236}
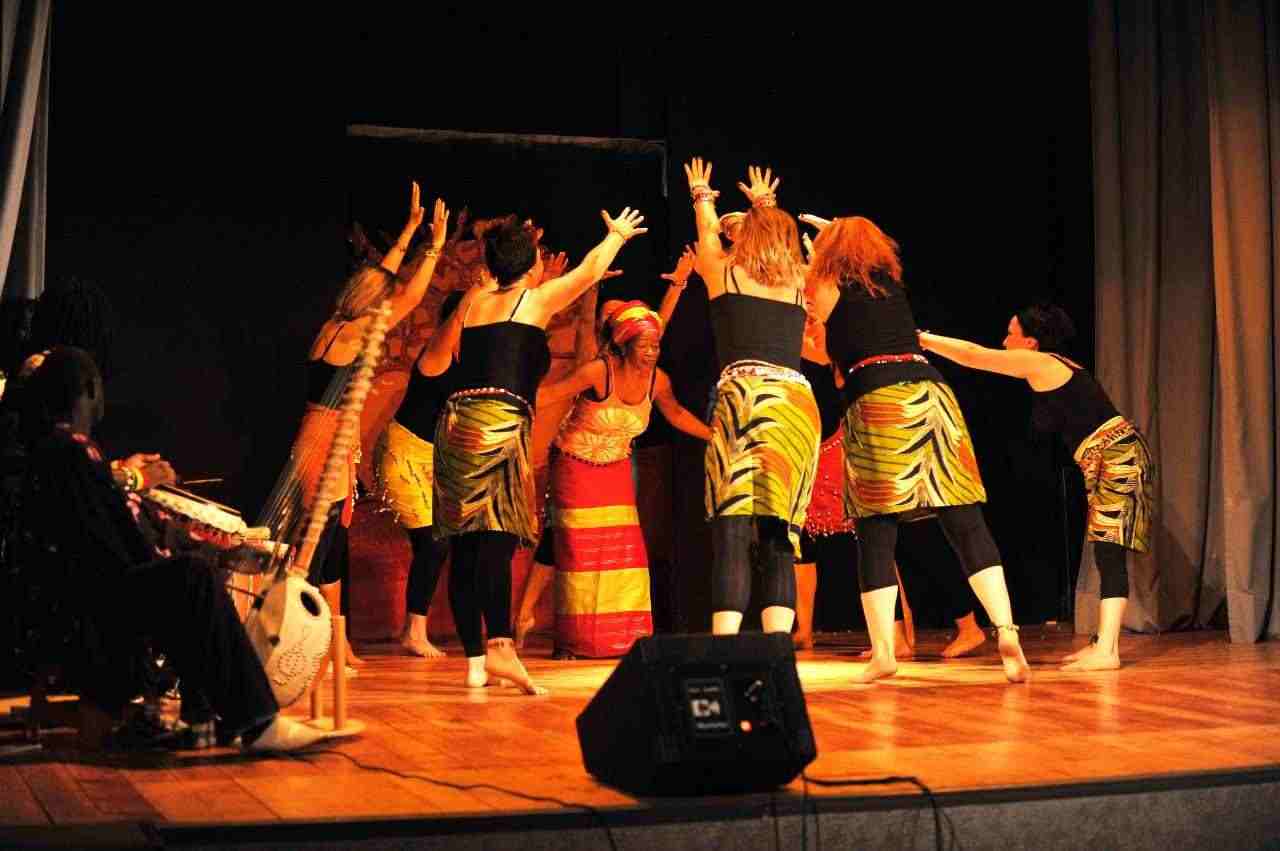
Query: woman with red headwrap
{"x": 602, "y": 569}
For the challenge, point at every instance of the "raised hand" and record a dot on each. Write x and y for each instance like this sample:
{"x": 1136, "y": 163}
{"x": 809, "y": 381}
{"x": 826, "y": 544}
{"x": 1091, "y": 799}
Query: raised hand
{"x": 416, "y": 213}
{"x": 698, "y": 173}
{"x": 463, "y": 217}
{"x": 763, "y": 185}
{"x": 439, "y": 221}
{"x": 626, "y": 225}
{"x": 684, "y": 268}
{"x": 554, "y": 265}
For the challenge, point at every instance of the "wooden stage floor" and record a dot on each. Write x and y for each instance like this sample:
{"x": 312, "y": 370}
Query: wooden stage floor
{"x": 1183, "y": 703}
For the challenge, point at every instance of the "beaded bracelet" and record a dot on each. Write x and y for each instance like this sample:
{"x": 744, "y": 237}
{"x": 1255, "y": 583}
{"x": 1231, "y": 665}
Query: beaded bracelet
{"x": 703, "y": 193}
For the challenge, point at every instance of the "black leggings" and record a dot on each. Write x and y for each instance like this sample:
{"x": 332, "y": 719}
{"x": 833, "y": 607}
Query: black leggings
{"x": 745, "y": 545}
{"x": 424, "y": 571}
{"x": 480, "y": 585}
{"x": 964, "y": 526}
{"x": 1112, "y": 570}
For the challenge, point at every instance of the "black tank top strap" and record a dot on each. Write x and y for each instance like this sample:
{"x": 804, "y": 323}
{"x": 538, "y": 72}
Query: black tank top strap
{"x": 653, "y": 381}
{"x": 332, "y": 340}
{"x": 731, "y": 275}
{"x": 608, "y": 378}
{"x": 519, "y": 302}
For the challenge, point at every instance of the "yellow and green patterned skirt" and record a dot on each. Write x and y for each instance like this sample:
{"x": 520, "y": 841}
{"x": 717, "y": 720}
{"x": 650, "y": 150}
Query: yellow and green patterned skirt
{"x": 906, "y": 446}
{"x": 403, "y": 470}
{"x": 763, "y": 455}
{"x": 1119, "y": 477}
{"x": 483, "y": 476}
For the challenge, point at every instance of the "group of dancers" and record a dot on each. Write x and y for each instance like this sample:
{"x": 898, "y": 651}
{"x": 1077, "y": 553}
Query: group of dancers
{"x": 829, "y": 424}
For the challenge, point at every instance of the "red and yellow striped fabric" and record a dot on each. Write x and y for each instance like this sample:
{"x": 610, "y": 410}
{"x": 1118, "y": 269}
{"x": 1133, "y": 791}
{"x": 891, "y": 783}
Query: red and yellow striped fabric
{"x": 602, "y": 569}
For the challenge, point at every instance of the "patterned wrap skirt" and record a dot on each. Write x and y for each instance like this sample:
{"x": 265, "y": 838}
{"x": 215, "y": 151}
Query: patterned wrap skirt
{"x": 906, "y": 446}
{"x": 1119, "y": 478}
{"x": 483, "y": 474}
{"x": 763, "y": 454}
{"x": 403, "y": 470}
{"x": 602, "y": 569}
{"x": 310, "y": 448}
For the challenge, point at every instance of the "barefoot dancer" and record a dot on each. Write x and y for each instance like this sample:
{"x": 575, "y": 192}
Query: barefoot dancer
{"x": 334, "y": 350}
{"x": 483, "y": 475}
{"x": 1118, "y": 472}
{"x": 763, "y": 454}
{"x": 905, "y": 440}
{"x": 404, "y": 469}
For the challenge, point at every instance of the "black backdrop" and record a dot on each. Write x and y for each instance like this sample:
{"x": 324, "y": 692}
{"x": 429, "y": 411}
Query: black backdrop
{"x": 200, "y": 171}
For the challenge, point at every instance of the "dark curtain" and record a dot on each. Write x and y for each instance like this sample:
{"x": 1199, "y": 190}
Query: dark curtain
{"x": 24, "y": 143}
{"x": 1185, "y": 177}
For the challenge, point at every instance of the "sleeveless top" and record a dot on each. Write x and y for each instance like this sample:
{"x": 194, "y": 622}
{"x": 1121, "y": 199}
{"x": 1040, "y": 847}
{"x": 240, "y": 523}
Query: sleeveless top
{"x": 601, "y": 432}
{"x": 507, "y": 355}
{"x": 749, "y": 327}
{"x": 1074, "y": 410}
{"x": 423, "y": 400}
{"x": 320, "y": 375}
{"x": 862, "y": 326}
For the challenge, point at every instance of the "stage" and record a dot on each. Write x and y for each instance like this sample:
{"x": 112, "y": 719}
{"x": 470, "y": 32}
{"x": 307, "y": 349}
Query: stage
{"x": 1181, "y": 746}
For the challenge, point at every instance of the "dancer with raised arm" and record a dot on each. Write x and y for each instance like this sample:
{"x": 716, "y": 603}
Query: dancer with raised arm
{"x": 592, "y": 534}
{"x": 333, "y": 352}
{"x": 905, "y": 440}
{"x": 483, "y": 475}
{"x": 1111, "y": 452}
{"x": 763, "y": 454}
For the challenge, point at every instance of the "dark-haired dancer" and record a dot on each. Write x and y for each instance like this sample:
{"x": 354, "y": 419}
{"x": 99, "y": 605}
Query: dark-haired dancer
{"x": 906, "y": 443}
{"x": 404, "y": 469}
{"x": 483, "y": 498}
{"x": 1117, "y": 467}
{"x": 763, "y": 454}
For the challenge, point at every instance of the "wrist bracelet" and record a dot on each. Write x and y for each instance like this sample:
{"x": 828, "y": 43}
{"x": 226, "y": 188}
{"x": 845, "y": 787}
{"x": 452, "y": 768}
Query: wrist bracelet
{"x": 704, "y": 194}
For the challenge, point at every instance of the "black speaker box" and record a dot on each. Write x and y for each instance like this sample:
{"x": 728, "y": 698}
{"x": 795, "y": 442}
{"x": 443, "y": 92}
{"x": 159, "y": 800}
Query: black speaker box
{"x": 699, "y": 714}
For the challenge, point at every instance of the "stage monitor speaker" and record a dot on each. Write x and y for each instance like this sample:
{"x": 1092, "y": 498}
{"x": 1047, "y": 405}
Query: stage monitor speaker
{"x": 699, "y": 714}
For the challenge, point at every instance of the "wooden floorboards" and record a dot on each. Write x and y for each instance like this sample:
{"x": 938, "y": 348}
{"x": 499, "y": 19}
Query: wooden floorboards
{"x": 1183, "y": 703}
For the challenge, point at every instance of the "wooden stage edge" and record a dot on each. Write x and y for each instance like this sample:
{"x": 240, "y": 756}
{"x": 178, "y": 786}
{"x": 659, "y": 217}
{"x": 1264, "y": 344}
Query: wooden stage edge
{"x": 1188, "y": 728}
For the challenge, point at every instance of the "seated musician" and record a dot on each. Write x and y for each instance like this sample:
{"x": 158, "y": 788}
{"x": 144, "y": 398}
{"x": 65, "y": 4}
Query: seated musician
{"x": 117, "y": 583}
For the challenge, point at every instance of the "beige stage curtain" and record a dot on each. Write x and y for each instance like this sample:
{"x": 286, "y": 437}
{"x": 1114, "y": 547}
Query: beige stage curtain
{"x": 1185, "y": 140}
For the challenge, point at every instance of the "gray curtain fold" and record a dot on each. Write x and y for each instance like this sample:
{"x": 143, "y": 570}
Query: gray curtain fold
{"x": 24, "y": 144}
{"x": 1184, "y": 123}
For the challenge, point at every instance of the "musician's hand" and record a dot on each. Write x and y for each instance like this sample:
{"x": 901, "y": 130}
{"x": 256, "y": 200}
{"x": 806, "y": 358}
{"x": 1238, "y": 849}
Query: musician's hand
{"x": 157, "y": 472}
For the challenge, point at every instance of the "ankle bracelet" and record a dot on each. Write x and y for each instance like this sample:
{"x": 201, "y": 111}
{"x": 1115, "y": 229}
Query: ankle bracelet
{"x": 995, "y": 630}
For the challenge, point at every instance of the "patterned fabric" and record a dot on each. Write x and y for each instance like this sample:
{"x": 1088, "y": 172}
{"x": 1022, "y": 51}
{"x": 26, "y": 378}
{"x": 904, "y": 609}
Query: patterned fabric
{"x": 403, "y": 471}
{"x": 601, "y": 432}
{"x": 907, "y": 446}
{"x": 763, "y": 453}
{"x": 826, "y": 509}
{"x": 1118, "y": 480}
{"x": 602, "y": 569}
{"x": 310, "y": 448}
{"x": 483, "y": 478}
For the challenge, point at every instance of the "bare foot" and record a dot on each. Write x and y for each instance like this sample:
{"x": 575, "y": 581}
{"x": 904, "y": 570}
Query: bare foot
{"x": 901, "y": 649}
{"x": 523, "y": 627}
{"x": 420, "y": 647}
{"x": 802, "y": 641}
{"x": 1092, "y": 658}
{"x": 876, "y": 669}
{"x": 966, "y": 641}
{"x": 352, "y": 659}
{"x": 1016, "y": 669}
{"x": 500, "y": 660}
{"x": 1079, "y": 654}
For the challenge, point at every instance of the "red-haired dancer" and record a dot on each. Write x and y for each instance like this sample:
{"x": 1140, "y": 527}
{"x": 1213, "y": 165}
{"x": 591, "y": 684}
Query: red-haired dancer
{"x": 905, "y": 440}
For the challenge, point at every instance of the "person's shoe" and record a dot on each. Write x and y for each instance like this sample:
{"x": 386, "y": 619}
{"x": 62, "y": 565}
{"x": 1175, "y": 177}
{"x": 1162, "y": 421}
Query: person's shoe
{"x": 284, "y": 734}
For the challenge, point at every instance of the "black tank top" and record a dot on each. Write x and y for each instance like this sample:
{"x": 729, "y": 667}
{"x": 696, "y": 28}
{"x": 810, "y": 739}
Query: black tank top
{"x": 423, "y": 400}
{"x": 320, "y": 375}
{"x": 1074, "y": 410}
{"x": 748, "y": 327}
{"x": 862, "y": 326}
{"x": 831, "y": 404}
{"x": 513, "y": 356}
